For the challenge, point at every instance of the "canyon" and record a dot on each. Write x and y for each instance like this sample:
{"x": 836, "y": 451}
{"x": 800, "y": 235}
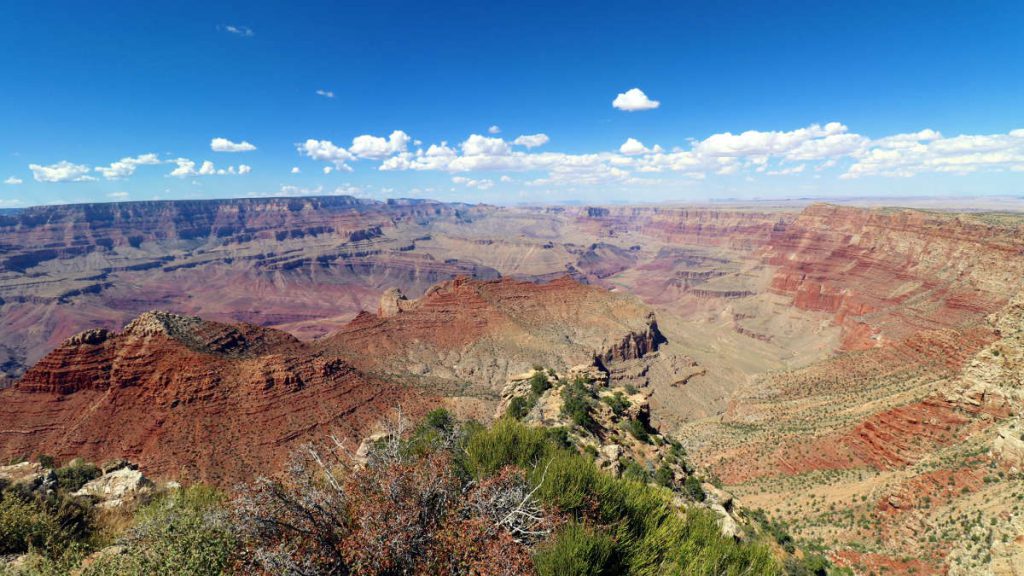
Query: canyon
{"x": 855, "y": 372}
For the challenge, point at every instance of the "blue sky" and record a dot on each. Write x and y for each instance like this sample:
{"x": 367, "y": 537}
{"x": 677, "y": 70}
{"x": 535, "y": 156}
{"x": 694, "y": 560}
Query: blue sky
{"x": 122, "y": 100}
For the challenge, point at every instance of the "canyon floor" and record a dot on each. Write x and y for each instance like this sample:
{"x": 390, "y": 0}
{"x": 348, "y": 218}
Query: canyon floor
{"x": 855, "y": 372}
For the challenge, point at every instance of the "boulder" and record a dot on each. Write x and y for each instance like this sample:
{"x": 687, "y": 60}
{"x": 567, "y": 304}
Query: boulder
{"x": 114, "y": 488}
{"x": 29, "y": 473}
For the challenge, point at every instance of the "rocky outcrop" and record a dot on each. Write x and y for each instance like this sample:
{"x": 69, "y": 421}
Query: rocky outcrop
{"x": 619, "y": 433}
{"x": 116, "y": 487}
{"x": 482, "y": 332}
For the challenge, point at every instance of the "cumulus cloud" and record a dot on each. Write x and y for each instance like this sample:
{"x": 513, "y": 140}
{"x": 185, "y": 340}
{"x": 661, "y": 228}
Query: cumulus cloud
{"x": 327, "y": 151}
{"x": 125, "y": 167}
{"x": 376, "y": 148}
{"x": 754, "y": 142}
{"x": 477, "y": 145}
{"x": 295, "y": 170}
{"x": 531, "y": 140}
{"x": 13, "y": 181}
{"x": 494, "y": 129}
{"x": 905, "y": 155}
{"x": 225, "y": 145}
{"x": 632, "y": 147}
{"x": 633, "y": 100}
{"x": 62, "y": 171}
{"x": 118, "y": 195}
{"x": 328, "y": 169}
{"x": 782, "y": 152}
{"x": 325, "y": 93}
{"x": 187, "y": 168}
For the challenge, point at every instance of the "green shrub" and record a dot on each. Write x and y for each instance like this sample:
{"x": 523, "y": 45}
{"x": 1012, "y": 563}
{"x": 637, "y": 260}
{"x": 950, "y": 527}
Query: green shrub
{"x": 577, "y": 403}
{"x": 184, "y": 533}
{"x": 506, "y": 443}
{"x": 47, "y": 461}
{"x": 48, "y": 524}
{"x": 539, "y": 383}
{"x": 439, "y": 419}
{"x": 75, "y": 475}
{"x": 24, "y": 525}
{"x": 692, "y": 487}
{"x": 576, "y": 550}
{"x": 617, "y": 402}
{"x": 664, "y": 476}
{"x": 638, "y": 430}
{"x": 519, "y": 407}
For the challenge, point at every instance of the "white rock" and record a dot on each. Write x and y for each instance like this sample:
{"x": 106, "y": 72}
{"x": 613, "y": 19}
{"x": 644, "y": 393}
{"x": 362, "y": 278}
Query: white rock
{"x": 114, "y": 488}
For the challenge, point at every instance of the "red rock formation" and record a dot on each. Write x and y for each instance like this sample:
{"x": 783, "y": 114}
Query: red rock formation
{"x": 190, "y": 399}
{"x": 482, "y": 332}
{"x": 886, "y": 274}
{"x": 199, "y": 400}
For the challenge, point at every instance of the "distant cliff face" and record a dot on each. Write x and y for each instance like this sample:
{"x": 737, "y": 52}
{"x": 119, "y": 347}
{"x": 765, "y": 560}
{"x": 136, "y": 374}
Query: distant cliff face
{"x": 886, "y": 274}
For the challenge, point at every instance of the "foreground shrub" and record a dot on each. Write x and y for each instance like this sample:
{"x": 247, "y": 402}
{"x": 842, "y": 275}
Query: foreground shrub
{"x": 185, "y": 532}
{"x": 575, "y": 551}
{"x": 75, "y": 475}
{"x": 407, "y": 512}
{"x": 577, "y": 403}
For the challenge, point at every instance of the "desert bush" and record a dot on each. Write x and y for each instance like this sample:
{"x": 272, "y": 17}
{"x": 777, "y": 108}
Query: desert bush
{"x": 539, "y": 383}
{"x": 617, "y": 402}
{"x": 577, "y": 403}
{"x": 24, "y": 525}
{"x": 507, "y": 443}
{"x": 576, "y": 550}
{"x": 75, "y": 475}
{"x": 185, "y": 532}
{"x": 692, "y": 487}
{"x": 47, "y": 523}
{"x": 638, "y": 430}
{"x": 519, "y": 407}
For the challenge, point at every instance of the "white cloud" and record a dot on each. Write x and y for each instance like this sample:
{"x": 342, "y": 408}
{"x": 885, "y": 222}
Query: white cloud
{"x": 118, "y": 195}
{"x": 325, "y": 93}
{"x": 62, "y": 171}
{"x": 754, "y": 142}
{"x": 295, "y": 170}
{"x": 494, "y": 129}
{"x": 906, "y": 155}
{"x": 13, "y": 181}
{"x": 327, "y": 151}
{"x": 632, "y": 147}
{"x": 328, "y": 169}
{"x": 818, "y": 147}
{"x": 376, "y": 148}
{"x": 477, "y": 145}
{"x": 225, "y": 145}
{"x": 633, "y": 100}
{"x": 239, "y": 30}
{"x": 125, "y": 167}
{"x": 531, "y": 140}
{"x": 186, "y": 168}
